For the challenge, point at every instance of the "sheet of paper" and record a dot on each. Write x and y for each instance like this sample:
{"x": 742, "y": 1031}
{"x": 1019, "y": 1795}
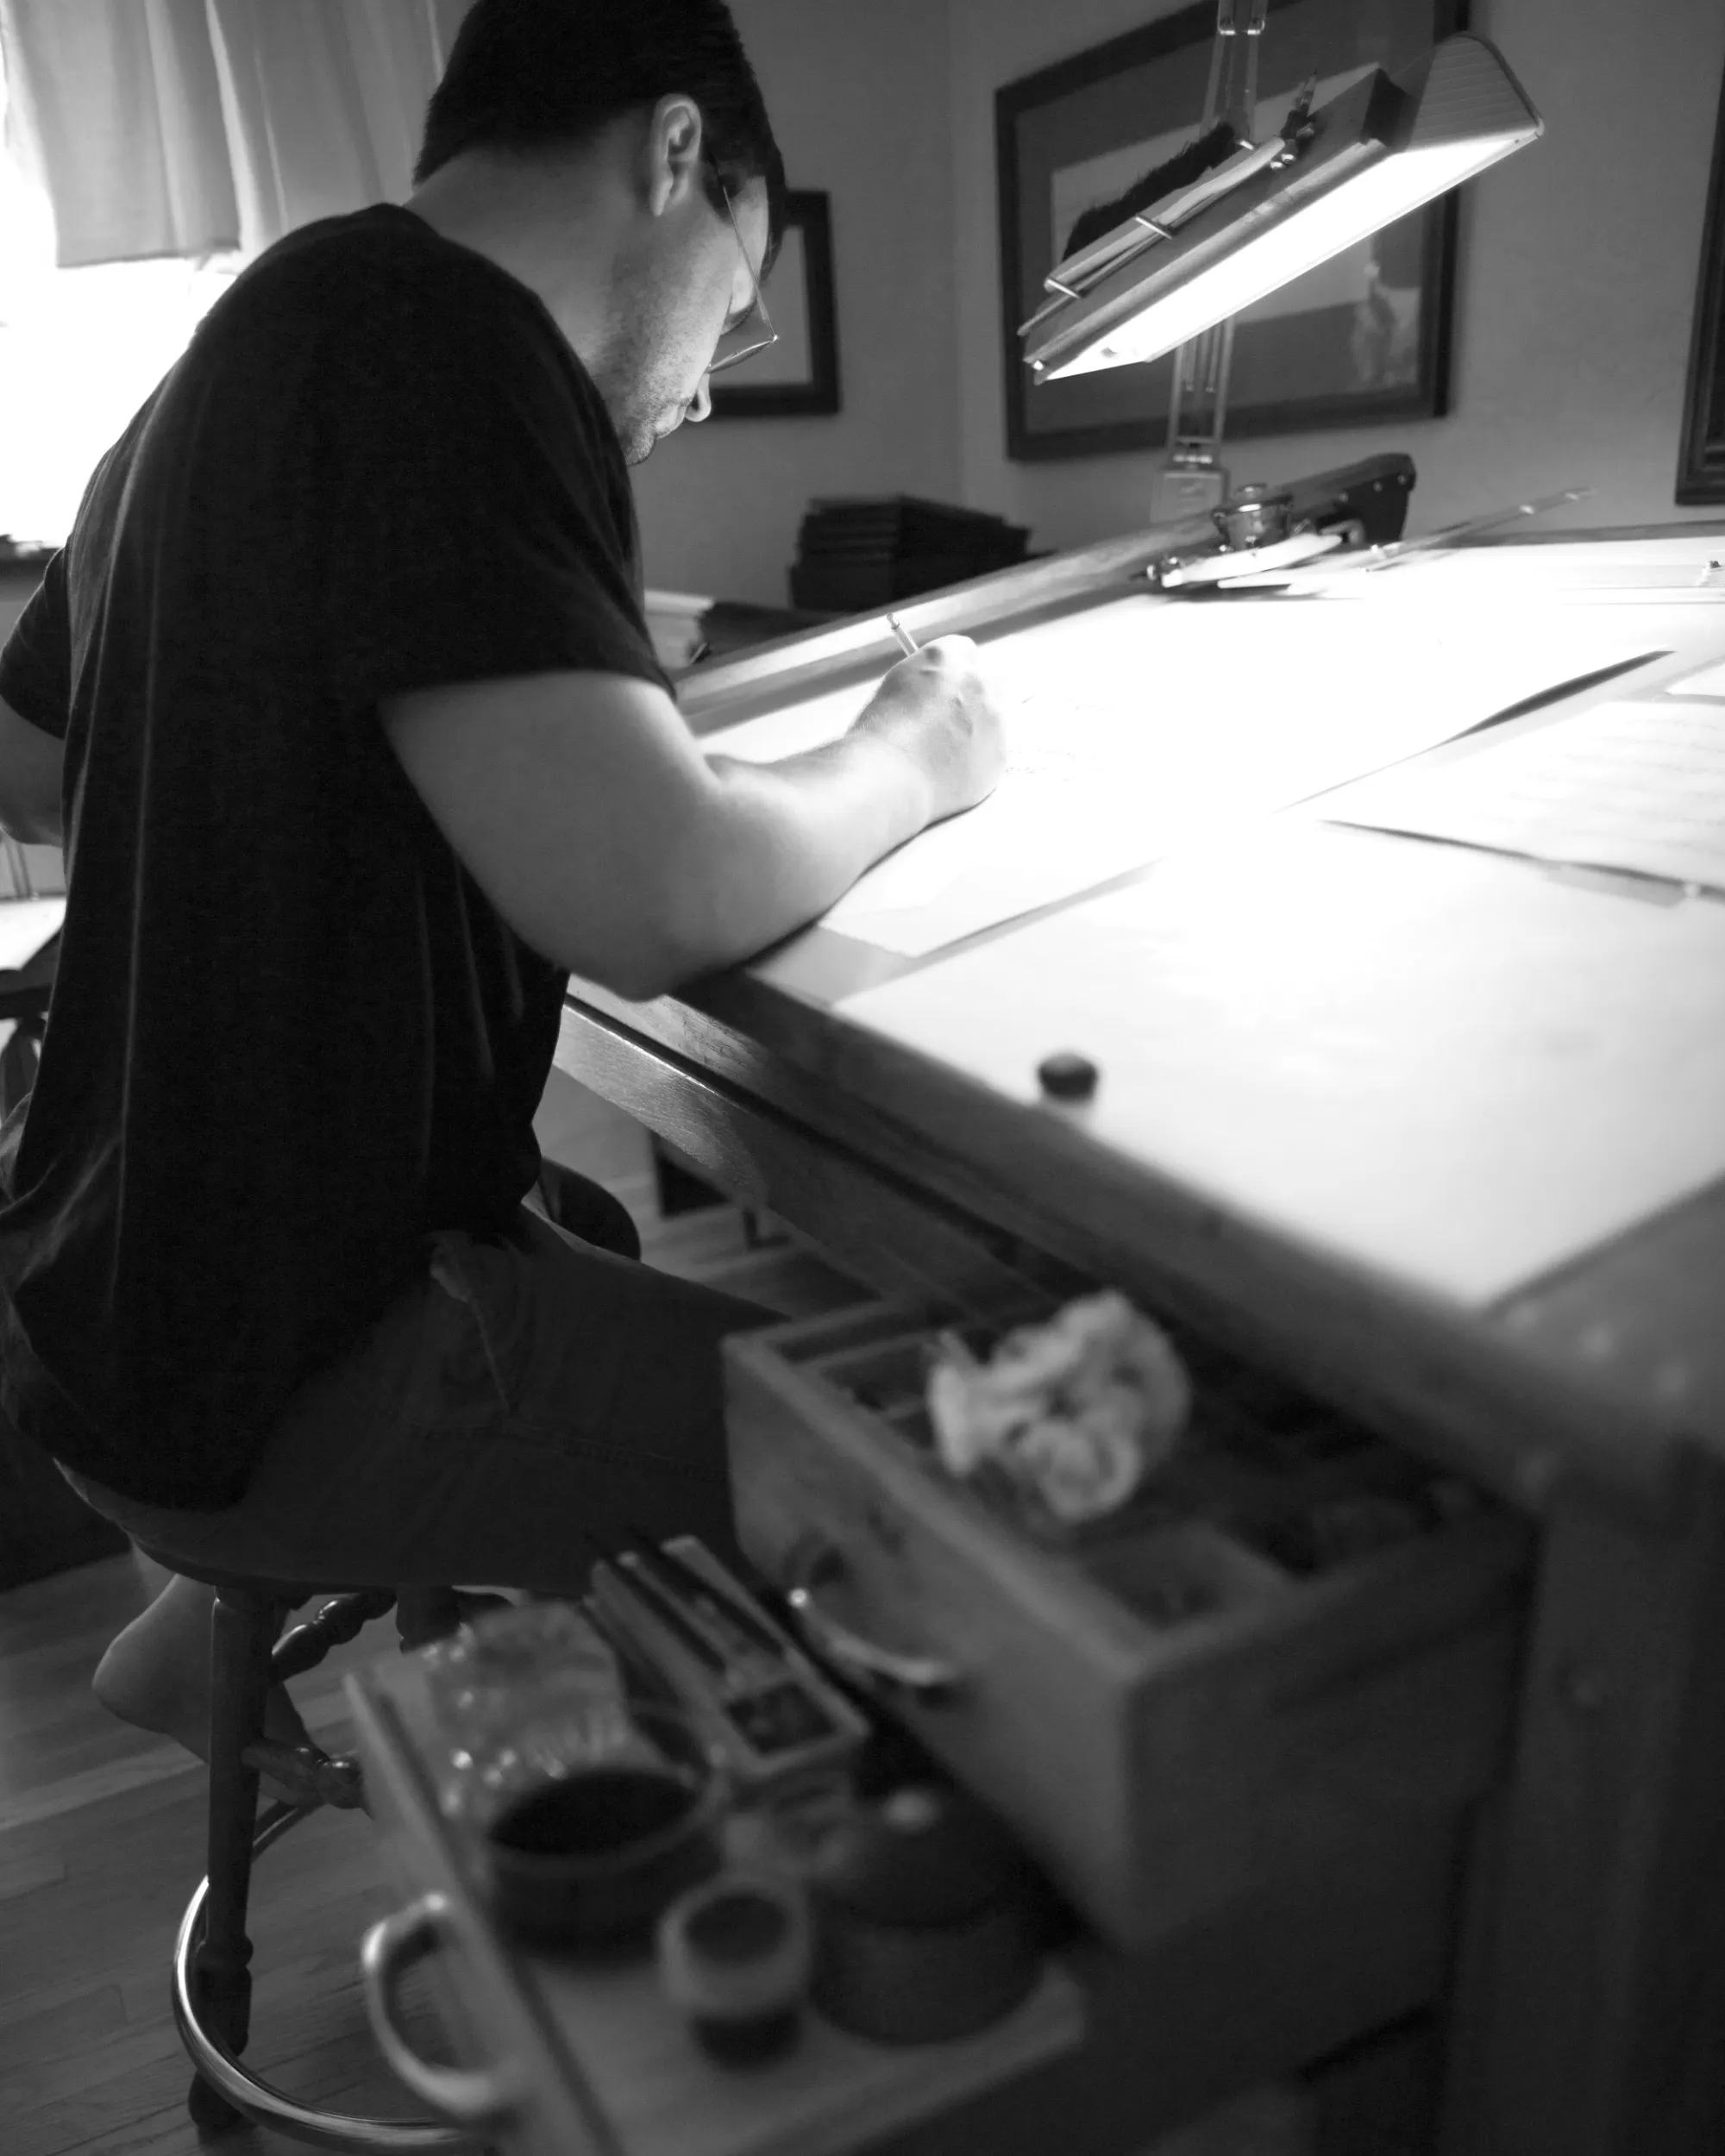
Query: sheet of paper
{"x": 1710, "y": 681}
{"x": 1138, "y": 727}
{"x": 1512, "y": 560}
{"x": 1640, "y": 787}
{"x": 1444, "y": 1065}
{"x": 26, "y": 924}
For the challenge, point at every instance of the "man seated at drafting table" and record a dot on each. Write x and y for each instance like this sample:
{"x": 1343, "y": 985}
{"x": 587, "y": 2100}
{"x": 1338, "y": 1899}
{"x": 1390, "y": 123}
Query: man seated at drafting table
{"x": 344, "y": 807}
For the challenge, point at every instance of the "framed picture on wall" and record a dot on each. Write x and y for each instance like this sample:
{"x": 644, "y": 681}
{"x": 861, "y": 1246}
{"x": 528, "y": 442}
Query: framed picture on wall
{"x": 800, "y": 373}
{"x": 1701, "y": 459}
{"x": 1360, "y": 339}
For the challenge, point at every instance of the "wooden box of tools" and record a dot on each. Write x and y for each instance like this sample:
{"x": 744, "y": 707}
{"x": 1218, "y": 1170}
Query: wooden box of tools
{"x": 1296, "y": 1639}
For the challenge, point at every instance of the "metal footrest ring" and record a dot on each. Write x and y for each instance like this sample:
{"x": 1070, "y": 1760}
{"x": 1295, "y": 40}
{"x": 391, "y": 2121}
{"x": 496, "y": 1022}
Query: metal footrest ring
{"x": 256, "y": 2098}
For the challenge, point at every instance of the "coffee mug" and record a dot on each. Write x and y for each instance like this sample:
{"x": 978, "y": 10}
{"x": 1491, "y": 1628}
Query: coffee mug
{"x": 591, "y": 1821}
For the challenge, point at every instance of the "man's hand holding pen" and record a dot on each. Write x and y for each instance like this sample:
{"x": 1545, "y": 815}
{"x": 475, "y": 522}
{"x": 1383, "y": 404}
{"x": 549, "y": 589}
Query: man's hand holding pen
{"x": 937, "y": 707}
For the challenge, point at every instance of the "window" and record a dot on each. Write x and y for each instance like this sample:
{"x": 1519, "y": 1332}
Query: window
{"x": 79, "y": 351}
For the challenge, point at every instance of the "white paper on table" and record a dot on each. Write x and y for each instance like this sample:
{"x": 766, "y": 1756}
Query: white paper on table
{"x": 1443, "y": 1065}
{"x": 1640, "y": 787}
{"x": 26, "y": 924}
{"x": 1710, "y": 681}
{"x": 1138, "y": 727}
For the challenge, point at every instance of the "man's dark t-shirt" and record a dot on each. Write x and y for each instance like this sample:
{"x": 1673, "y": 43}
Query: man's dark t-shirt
{"x": 290, "y": 1035}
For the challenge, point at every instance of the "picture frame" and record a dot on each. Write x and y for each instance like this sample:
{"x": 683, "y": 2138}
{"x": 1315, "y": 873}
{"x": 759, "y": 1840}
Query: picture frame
{"x": 1700, "y": 453}
{"x": 1356, "y": 341}
{"x": 799, "y": 375}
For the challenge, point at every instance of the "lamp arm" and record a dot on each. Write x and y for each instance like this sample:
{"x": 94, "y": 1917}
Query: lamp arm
{"x": 1233, "y": 94}
{"x": 1201, "y": 367}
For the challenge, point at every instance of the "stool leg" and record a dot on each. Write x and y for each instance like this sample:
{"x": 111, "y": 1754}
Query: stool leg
{"x": 242, "y": 1631}
{"x": 209, "y": 2111}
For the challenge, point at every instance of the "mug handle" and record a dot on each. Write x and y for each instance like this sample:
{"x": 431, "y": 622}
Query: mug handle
{"x": 479, "y": 2097}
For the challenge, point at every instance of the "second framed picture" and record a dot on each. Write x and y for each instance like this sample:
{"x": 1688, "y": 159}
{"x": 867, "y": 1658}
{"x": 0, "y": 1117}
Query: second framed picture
{"x": 800, "y": 373}
{"x": 1701, "y": 462}
{"x": 1362, "y": 338}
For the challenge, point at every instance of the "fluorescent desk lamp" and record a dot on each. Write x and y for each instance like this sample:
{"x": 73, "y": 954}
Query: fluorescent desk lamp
{"x": 1278, "y": 209}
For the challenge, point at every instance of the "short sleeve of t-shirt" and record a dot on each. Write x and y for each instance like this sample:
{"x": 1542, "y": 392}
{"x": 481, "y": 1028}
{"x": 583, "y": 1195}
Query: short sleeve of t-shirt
{"x": 480, "y": 518}
{"x": 35, "y": 665}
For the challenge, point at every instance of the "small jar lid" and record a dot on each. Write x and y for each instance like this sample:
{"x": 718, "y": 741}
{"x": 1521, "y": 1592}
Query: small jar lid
{"x": 923, "y": 1856}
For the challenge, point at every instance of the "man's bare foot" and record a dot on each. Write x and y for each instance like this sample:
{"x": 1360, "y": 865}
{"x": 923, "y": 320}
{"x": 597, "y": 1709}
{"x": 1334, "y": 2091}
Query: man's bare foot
{"x": 156, "y": 1675}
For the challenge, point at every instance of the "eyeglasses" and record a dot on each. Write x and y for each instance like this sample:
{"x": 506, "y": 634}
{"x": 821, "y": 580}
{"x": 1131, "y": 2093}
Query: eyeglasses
{"x": 744, "y": 340}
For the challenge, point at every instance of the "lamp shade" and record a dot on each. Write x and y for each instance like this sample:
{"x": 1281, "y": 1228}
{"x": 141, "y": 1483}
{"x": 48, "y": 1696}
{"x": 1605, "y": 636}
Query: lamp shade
{"x": 1380, "y": 149}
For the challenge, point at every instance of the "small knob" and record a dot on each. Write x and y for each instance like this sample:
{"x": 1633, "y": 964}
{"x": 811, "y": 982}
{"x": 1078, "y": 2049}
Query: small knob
{"x": 1067, "y": 1076}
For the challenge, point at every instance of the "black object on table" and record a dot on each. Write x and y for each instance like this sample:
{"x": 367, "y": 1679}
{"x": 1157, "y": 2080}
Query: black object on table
{"x": 857, "y": 554}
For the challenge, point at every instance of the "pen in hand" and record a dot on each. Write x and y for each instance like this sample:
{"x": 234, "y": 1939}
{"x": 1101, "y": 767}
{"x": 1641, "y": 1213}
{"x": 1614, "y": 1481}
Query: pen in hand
{"x": 908, "y": 643}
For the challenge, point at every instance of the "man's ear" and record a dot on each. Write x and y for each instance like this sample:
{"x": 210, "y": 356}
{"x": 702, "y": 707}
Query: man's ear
{"x": 675, "y": 137}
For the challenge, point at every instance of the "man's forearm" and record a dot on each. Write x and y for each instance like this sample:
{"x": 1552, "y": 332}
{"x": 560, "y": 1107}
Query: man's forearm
{"x": 788, "y": 839}
{"x": 585, "y": 810}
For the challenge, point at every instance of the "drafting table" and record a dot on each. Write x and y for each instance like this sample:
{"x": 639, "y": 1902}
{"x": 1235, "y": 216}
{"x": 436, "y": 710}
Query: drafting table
{"x": 1506, "y": 1253}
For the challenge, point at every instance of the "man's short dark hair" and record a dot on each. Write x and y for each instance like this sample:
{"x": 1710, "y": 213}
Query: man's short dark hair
{"x": 530, "y": 75}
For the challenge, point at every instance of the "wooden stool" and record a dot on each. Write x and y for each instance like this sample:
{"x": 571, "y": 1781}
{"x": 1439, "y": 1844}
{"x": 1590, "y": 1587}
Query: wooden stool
{"x": 212, "y": 1982}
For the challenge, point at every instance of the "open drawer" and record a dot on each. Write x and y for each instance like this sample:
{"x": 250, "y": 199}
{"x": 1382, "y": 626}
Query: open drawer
{"x": 1294, "y": 1633}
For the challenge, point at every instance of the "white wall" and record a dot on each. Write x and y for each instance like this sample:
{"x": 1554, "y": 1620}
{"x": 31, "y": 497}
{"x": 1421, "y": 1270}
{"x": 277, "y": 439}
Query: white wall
{"x": 1577, "y": 265}
{"x": 861, "y": 101}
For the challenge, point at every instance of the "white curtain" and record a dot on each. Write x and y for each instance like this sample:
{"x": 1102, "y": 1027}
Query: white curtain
{"x": 114, "y": 106}
{"x": 193, "y": 127}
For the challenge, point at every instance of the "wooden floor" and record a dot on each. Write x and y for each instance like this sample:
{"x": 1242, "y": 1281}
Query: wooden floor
{"x": 100, "y": 1844}
{"x": 101, "y": 1828}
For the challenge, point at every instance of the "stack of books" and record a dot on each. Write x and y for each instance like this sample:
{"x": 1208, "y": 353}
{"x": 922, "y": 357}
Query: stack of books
{"x": 858, "y": 553}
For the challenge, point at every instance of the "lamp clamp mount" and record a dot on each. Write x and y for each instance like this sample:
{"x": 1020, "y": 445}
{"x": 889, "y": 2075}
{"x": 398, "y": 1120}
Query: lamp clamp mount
{"x": 1260, "y": 527}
